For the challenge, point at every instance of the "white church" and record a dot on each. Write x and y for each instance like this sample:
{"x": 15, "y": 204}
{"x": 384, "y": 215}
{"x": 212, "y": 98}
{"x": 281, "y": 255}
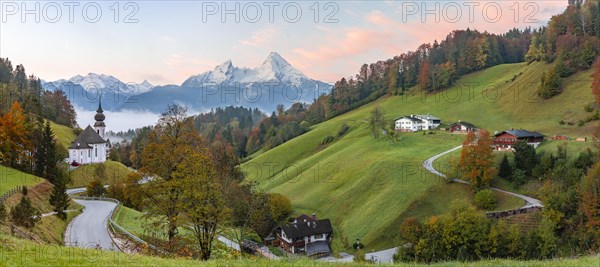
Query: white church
{"x": 91, "y": 145}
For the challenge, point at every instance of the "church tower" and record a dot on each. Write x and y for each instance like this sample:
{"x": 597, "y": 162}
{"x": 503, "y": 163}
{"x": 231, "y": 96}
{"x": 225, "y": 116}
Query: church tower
{"x": 99, "y": 126}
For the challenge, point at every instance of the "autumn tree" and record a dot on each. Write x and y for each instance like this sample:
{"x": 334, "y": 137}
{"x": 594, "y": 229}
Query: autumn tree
{"x": 280, "y": 206}
{"x": 477, "y": 160}
{"x": 201, "y": 198}
{"x": 95, "y": 188}
{"x": 590, "y": 198}
{"x": 14, "y": 133}
{"x": 173, "y": 136}
{"x": 424, "y": 76}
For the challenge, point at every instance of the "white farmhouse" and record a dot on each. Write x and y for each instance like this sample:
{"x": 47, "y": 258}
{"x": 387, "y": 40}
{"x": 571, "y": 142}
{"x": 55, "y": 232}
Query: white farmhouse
{"x": 415, "y": 123}
{"x": 90, "y": 146}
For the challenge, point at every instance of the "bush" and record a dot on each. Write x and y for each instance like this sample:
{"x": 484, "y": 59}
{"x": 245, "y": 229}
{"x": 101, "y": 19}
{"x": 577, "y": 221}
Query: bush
{"x": 519, "y": 177}
{"x": 328, "y": 139}
{"x": 588, "y": 108}
{"x": 485, "y": 199}
{"x": 305, "y": 125}
{"x": 343, "y": 129}
{"x": 95, "y": 189}
{"x": 561, "y": 122}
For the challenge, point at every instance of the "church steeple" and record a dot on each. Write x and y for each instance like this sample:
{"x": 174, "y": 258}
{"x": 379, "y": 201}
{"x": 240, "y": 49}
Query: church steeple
{"x": 100, "y": 126}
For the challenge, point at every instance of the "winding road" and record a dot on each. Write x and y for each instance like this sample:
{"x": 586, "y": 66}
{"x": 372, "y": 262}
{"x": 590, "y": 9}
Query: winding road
{"x": 428, "y": 164}
{"x": 89, "y": 229}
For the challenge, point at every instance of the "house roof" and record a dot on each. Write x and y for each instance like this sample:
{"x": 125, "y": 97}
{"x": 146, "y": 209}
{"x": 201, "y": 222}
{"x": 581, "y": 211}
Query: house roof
{"x": 409, "y": 118}
{"x": 300, "y": 228}
{"x": 522, "y": 133}
{"x": 88, "y": 136}
{"x": 464, "y": 123}
{"x": 431, "y": 117}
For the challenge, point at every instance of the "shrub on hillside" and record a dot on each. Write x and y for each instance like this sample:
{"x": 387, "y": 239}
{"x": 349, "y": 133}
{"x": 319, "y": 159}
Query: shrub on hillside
{"x": 343, "y": 129}
{"x": 328, "y": 139}
{"x": 519, "y": 177}
{"x": 485, "y": 199}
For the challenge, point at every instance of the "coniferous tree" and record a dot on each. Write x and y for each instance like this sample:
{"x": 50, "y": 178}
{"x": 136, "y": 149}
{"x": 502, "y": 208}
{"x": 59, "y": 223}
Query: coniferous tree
{"x": 46, "y": 157}
{"x": 24, "y": 214}
{"x": 525, "y": 157}
{"x": 505, "y": 169}
{"x": 59, "y": 199}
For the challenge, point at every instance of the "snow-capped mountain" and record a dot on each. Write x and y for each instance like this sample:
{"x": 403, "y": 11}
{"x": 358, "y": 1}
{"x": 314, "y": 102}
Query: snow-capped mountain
{"x": 274, "y": 69}
{"x": 94, "y": 82}
{"x": 84, "y": 91}
{"x": 273, "y": 83}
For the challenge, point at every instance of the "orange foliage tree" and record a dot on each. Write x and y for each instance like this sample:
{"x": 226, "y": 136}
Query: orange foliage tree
{"x": 14, "y": 133}
{"x": 477, "y": 160}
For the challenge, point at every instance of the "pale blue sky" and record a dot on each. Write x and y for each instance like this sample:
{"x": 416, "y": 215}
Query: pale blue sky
{"x": 170, "y": 41}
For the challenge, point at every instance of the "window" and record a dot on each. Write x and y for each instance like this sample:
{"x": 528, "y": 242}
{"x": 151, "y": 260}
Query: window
{"x": 96, "y": 151}
{"x": 90, "y": 153}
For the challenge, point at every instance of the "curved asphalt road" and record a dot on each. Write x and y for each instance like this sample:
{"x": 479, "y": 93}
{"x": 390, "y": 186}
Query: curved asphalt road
{"x": 428, "y": 164}
{"x": 89, "y": 229}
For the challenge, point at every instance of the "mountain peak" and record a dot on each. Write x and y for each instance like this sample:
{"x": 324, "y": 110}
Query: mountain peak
{"x": 274, "y": 69}
{"x": 276, "y": 58}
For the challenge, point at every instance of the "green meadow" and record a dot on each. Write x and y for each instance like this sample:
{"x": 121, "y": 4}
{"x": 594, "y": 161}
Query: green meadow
{"x": 367, "y": 186}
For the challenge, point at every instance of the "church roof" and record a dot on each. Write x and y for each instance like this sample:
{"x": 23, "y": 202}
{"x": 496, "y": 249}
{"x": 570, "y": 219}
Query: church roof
{"x": 88, "y": 136}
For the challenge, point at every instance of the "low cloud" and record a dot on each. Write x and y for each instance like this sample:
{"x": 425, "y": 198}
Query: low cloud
{"x": 119, "y": 120}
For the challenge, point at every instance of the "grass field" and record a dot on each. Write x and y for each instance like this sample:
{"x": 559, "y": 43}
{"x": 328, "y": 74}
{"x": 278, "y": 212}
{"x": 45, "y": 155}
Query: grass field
{"x": 63, "y": 133}
{"x": 368, "y": 186}
{"x": 83, "y": 175}
{"x": 131, "y": 220}
{"x": 11, "y": 178}
{"x": 17, "y": 252}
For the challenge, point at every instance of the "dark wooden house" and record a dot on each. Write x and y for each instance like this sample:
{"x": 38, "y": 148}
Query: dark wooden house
{"x": 305, "y": 235}
{"x": 506, "y": 139}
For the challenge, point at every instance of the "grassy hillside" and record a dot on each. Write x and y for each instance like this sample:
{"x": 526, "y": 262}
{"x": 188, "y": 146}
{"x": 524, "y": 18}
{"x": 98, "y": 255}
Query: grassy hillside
{"x": 17, "y": 252}
{"x": 367, "y": 186}
{"x": 63, "y": 133}
{"x": 50, "y": 229}
{"x": 11, "y": 178}
{"x": 115, "y": 172}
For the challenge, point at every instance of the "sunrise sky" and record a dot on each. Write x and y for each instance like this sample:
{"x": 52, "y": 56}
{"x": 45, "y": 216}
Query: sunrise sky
{"x": 165, "y": 42}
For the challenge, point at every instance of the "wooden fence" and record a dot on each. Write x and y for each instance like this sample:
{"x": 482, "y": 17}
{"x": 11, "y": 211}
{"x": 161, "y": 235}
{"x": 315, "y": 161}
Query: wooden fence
{"x": 11, "y": 192}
